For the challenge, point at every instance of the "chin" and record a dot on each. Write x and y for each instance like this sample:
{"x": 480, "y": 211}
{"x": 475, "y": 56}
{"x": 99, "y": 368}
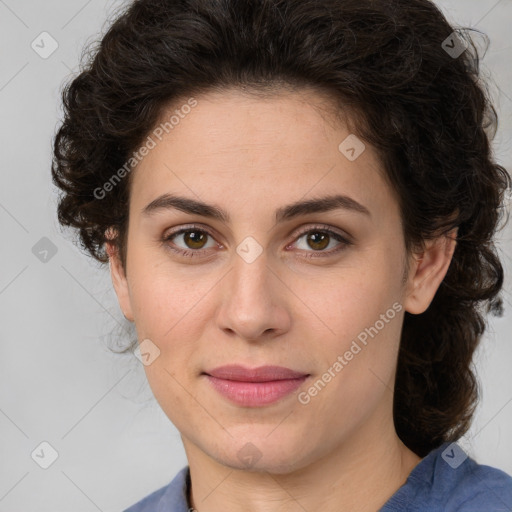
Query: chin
{"x": 264, "y": 465}
{"x": 261, "y": 454}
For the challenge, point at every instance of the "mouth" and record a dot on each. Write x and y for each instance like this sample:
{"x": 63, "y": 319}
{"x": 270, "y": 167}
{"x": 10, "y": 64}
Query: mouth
{"x": 254, "y": 387}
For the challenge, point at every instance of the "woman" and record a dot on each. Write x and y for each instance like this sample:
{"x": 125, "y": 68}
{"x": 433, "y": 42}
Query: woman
{"x": 298, "y": 202}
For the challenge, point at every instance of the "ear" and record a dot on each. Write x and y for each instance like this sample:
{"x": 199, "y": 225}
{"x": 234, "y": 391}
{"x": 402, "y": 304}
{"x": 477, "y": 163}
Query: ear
{"x": 427, "y": 270}
{"x": 118, "y": 276}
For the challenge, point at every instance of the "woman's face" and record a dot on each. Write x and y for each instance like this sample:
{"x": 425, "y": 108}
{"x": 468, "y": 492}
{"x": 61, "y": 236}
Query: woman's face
{"x": 318, "y": 292}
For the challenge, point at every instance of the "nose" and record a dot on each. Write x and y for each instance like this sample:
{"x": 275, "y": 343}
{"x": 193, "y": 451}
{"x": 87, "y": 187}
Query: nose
{"x": 254, "y": 302}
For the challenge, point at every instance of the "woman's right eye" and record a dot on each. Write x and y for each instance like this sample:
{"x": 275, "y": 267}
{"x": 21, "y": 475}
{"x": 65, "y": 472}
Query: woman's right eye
{"x": 193, "y": 241}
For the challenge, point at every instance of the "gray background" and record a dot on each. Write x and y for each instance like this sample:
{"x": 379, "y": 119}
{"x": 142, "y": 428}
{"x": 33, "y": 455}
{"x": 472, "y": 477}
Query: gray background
{"x": 58, "y": 381}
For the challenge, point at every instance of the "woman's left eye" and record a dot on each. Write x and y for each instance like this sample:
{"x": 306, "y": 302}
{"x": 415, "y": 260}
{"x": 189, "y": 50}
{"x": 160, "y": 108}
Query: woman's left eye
{"x": 317, "y": 238}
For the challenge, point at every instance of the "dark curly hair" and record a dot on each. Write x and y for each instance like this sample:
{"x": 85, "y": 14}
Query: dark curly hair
{"x": 424, "y": 109}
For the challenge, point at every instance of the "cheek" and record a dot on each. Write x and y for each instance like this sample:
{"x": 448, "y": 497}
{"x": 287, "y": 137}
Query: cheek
{"x": 357, "y": 363}
{"x": 350, "y": 300}
{"x": 169, "y": 309}
{"x": 173, "y": 393}
{"x": 162, "y": 296}
{"x": 362, "y": 313}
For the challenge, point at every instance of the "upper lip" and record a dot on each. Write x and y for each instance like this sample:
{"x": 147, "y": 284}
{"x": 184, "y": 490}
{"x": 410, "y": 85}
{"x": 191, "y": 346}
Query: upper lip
{"x": 260, "y": 374}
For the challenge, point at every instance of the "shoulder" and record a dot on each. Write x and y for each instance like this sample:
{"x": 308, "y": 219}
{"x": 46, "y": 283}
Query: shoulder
{"x": 448, "y": 480}
{"x": 172, "y": 495}
{"x": 476, "y": 487}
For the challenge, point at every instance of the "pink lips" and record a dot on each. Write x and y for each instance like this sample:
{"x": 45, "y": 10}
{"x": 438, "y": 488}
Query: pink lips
{"x": 257, "y": 386}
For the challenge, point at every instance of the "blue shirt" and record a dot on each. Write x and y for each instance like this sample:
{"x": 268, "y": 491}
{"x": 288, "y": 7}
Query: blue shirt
{"x": 446, "y": 480}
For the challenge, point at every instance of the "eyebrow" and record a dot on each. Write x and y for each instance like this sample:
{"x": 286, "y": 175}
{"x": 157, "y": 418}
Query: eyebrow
{"x": 285, "y": 213}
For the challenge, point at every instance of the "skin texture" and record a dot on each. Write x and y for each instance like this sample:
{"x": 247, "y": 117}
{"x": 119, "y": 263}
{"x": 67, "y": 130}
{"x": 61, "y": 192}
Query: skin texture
{"x": 251, "y": 156}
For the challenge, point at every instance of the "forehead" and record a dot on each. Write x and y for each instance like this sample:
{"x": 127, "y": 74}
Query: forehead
{"x": 286, "y": 145}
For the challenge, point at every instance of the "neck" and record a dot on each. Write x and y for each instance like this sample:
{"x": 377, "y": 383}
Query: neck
{"x": 359, "y": 476}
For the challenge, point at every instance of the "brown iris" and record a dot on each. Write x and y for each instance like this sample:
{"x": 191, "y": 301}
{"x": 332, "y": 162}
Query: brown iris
{"x": 318, "y": 240}
{"x": 195, "y": 239}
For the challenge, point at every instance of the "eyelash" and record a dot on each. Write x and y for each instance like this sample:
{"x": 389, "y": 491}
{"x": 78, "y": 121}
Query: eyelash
{"x": 190, "y": 253}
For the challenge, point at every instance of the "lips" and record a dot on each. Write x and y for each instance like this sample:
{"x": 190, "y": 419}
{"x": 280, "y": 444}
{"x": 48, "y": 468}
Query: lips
{"x": 261, "y": 374}
{"x": 254, "y": 387}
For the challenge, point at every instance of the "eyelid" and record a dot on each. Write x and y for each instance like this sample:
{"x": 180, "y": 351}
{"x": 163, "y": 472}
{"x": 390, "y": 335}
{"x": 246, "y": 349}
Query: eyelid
{"x": 189, "y": 227}
{"x": 296, "y": 233}
{"x": 324, "y": 228}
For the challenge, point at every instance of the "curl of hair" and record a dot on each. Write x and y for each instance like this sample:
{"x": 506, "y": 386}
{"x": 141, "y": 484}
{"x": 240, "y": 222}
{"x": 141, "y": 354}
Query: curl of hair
{"x": 427, "y": 114}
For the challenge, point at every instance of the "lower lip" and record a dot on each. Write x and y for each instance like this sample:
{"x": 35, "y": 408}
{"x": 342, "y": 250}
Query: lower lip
{"x": 253, "y": 394}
